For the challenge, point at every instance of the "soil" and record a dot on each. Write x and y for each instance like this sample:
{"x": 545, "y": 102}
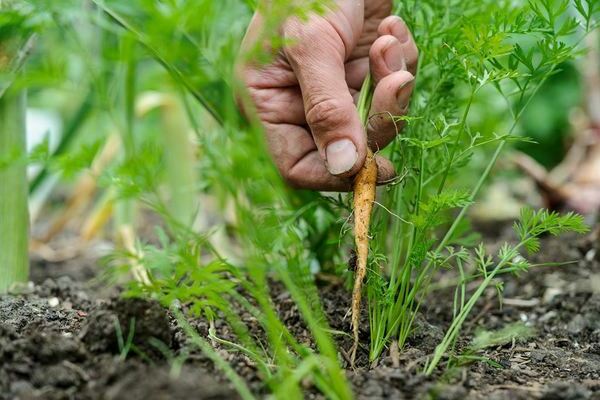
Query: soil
{"x": 66, "y": 338}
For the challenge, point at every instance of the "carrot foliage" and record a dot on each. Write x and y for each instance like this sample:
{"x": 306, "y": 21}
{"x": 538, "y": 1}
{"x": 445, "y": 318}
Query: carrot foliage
{"x": 477, "y": 57}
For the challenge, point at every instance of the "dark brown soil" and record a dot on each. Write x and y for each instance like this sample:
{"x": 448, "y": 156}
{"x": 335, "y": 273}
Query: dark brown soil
{"x": 65, "y": 339}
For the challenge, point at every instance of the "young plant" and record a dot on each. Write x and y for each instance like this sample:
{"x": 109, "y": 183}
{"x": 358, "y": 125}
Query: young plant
{"x": 531, "y": 226}
{"x": 470, "y": 51}
{"x": 483, "y": 339}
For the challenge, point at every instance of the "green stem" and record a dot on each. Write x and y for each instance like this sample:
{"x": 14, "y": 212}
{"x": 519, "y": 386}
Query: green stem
{"x": 240, "y": 385}
{"x": 180, "y": 162}
{"x": 401, "y": 314}
{"x": 14, "y": 213}
{"x": 125, "y": 210}
{"x": 177, "y": 74}
{"x": 335, "y": 376}
{"x": 461, "y": 129}
{"x": 490, "y": 165}
{"x": 474, "y": 194}
{"x": 69, "y": 133}
{"x": 457, "y": 322}
{"x": 364, "y": 101}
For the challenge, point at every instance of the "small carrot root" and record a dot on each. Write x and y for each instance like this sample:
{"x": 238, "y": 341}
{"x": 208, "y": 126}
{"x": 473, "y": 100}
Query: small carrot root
{"x": 364, "y": 197}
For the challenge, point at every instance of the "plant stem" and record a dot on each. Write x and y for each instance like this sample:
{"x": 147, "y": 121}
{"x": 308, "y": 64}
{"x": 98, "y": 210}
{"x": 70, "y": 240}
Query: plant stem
{"x": 239, "y": 384}
{"x": 69, "y": 133}
{"x": 180, "y": 162}
{"x": 457, "y": 322}
{"x": 459, "y": 135}
{"x": 14, "y": 213}
{"x": 491, "y": 164}
{"x": 364, "y": 101}
{"x": 125, "y": 210}
{"x": 177, "y": 74}
{"x": 474, "y": 194}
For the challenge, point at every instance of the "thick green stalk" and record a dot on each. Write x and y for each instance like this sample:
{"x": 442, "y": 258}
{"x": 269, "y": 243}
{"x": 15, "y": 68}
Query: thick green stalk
{"x": 125, "y": 210}
{"x": 14, "y": 214}
{"x": 180, "y": 162}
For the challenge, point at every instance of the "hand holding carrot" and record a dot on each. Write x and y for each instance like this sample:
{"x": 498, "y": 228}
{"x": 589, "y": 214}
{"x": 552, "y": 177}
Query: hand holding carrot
{"x": 306, "y": 97}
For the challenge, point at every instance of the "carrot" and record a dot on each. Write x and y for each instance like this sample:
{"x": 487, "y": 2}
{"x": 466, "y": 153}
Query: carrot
{"x": 364, "y": 196}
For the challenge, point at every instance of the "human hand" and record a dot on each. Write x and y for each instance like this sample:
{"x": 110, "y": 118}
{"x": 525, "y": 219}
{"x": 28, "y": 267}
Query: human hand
{"x": 306, "y": 96}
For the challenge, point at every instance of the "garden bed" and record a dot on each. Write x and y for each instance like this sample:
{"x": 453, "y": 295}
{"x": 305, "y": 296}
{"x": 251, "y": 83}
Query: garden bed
{"x": 59, "y": 340}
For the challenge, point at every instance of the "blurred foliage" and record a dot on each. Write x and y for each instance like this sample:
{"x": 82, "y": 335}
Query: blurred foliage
{"x": 104, "y": 67}
{"x": 546, "y": 120}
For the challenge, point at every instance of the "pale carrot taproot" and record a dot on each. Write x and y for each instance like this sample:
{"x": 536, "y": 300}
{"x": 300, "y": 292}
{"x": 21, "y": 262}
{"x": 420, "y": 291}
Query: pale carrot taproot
{"x": 365, "y": 184}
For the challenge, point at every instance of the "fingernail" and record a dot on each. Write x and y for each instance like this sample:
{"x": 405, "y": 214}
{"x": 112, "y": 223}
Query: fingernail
{"x": 394, "y": 56}
{"x": 404, "y": 93}
{"x": 341, "y": 156}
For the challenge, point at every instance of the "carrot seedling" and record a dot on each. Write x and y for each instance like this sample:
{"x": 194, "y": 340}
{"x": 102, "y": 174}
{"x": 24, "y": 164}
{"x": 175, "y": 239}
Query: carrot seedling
{"x": 443, "y": 149}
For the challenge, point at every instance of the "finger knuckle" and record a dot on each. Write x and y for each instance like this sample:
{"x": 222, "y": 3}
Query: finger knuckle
{"x": 295, "y": 28}
{"x": 301, "y": 36}
{"x": 289, "y": 178}
{"x": 263, "y": 103}
{"x": 326, "y": 114}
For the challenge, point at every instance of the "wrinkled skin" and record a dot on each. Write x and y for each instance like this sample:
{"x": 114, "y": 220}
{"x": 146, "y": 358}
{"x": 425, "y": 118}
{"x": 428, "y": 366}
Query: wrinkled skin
{"x": 306, "y": 97}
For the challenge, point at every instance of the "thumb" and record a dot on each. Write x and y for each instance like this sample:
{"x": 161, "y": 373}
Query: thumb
{"x": 317, "y": 59}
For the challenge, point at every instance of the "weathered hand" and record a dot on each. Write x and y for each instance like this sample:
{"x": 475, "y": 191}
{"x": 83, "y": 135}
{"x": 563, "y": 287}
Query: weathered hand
{"x": 306, "y": 97}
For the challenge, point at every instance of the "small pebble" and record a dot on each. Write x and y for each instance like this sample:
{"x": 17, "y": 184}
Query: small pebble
{"x": 577, "y": 324}
{"x": 523, "y": 317}
{"x": 550, "y": 294}
{"x": 589, "y": 256}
